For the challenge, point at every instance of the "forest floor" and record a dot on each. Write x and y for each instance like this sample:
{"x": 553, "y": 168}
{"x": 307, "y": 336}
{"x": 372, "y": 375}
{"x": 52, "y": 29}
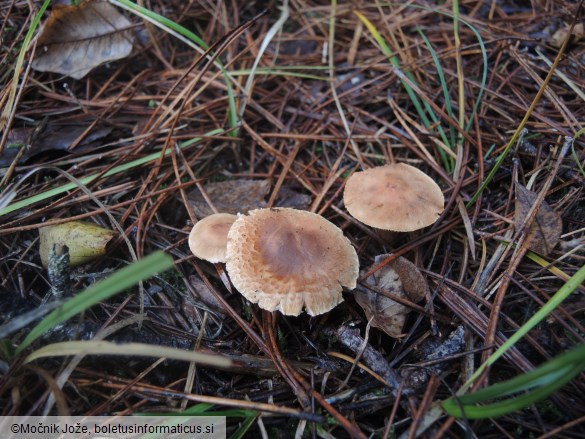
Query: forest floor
{"x": 486, "y": 97}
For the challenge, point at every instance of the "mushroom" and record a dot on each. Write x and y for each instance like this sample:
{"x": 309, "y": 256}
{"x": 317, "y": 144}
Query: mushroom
{"x": 208, "y": 238}
{"x": 395, "y": 197}
{"x": 286, "y": 259}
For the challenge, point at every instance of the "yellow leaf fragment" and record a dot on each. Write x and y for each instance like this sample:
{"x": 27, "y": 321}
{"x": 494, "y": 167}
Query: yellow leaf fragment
{"x": 85, "y": 241}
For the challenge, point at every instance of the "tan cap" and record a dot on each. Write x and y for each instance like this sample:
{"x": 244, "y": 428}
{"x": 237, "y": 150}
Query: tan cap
{"x": 394, "y": 197}
{"x": 208, "y": 238}
{"x": 284, "y": 259}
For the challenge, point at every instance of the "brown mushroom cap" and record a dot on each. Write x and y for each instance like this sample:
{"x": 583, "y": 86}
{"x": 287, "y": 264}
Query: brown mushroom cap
{"x": 208, "y": 238}
{"x": 284, "y": 259}
{"x": 394, "y": 197}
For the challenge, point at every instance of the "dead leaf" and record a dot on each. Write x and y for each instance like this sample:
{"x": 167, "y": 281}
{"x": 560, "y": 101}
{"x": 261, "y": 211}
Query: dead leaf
{"x": 560, "y": 35}
{"x": 54, "y": 138}
{"x": 232, "y": 196}
{"x": 414, "y": 284}
{"x": 288, "y": 197}
{"x": 241, "y": 196}
{"x": 545, "y": 231}
{"x": 204, "y": 294}
{"x": 76, "y": 39}
{"x": 401, "y": 278}
{"x": 85, "y": 241}
{"x": 384, "y": 313}
{"x": 300, "y": 45}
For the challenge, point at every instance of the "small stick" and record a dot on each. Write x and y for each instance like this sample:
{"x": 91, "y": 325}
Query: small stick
{"x": 58, "y": 270}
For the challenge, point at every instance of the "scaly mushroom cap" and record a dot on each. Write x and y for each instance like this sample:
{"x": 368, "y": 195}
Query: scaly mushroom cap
{"x": 284, "y": 259}
{"x": 394, "y": 197}
{"x": 208, "y": 238}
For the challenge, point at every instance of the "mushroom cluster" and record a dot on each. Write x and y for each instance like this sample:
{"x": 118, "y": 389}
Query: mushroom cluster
{"x": 287, "y": 259}
{"x": 283, "y": 259}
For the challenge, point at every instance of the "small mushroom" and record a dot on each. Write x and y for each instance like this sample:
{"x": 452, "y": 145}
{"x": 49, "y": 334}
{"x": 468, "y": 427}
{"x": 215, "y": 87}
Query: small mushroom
{"x": 286, "y": 259}
{"x": 395, "y": 197}
{"x": 208, "y": 238}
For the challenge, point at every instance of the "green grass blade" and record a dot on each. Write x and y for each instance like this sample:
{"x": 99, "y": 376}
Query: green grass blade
{"x": 541, "y": 383}
{"x": 203, "y": 409}
{"x": 10, "y": 104}
{"x": 491, "y": 174}
{"x": 166, "y": 24}
{"x": 496, "y": 409}
{"x": 85, "y": 180}
{"x": 280, "y": 72}
{"x": 545, "y": 374}
{"x": 102, "y": 290}
{"x": 517, "y": 134}
{"x": 484, "y": 72}
{"x": 447, "y": 161}
{"x": 444, "y": 88}
{"x": 577, "y": 279}
{"x": 243, "y": 429}
{"x": 133, "y": 7}
{"x": 574, "y": 153}
{"x": 394, "y": 61}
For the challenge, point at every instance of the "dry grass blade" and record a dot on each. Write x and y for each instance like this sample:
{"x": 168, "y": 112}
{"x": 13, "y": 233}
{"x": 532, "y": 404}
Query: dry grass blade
{"x": 128, "y": 349}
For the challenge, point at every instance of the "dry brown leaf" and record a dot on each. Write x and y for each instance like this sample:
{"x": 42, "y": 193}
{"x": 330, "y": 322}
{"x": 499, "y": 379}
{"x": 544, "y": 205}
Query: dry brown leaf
{"x": 403, "y": 279}
{"x": 545, "y": 231}
{"x": 560, "y": 35}
{"x": 204, "y": 294}
{"x": 233, "y": 196}
{"x": 414, "y": 284}
{"x": 76, "y": 39}
{"x": 53, "y": 138}
{"x": 85, "y": 241}
{"x": 241, "y": 196}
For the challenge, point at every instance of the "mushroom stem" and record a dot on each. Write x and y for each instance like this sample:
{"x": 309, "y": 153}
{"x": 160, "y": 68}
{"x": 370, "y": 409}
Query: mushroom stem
{"x": 388, "y": 236}
{"x": 224, "y": 277}
{"x": 269, "y": 320}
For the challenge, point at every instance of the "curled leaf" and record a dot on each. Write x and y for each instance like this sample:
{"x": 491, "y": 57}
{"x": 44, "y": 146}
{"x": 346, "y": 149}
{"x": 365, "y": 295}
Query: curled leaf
{"x": 399, "y": 277}
{"x": 85, "y": 241}
{"x": 242, "y": 195}
{"x": 545, "y": 230}
{"x": 52, "y": 138}
{"x": 76, "y": 39}
{"x": 560, "y": 35}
